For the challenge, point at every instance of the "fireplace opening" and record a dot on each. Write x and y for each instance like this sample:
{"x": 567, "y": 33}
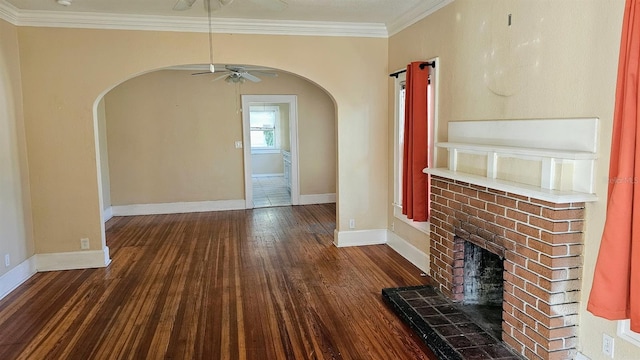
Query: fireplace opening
{"x": 483, "y": 288}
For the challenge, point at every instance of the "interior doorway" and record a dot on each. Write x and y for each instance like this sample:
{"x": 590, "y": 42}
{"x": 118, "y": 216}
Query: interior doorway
{"x": 271, "y": 150}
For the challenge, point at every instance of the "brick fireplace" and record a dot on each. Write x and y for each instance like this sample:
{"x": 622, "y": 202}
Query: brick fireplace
{"x": 541, "y": 244}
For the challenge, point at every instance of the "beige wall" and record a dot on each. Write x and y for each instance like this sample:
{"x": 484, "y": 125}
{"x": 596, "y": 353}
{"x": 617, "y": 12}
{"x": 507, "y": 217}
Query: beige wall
{"x": 16, "y": 231}
{"x": 171, "y": 137}
{"x": 267, "y": 164}
{"x": 66, "y": 70}
{"x": 549, "y": 63}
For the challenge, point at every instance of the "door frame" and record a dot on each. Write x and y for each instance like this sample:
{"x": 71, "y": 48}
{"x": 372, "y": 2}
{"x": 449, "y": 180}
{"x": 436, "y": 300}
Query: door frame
{"x": 292, "y": 101}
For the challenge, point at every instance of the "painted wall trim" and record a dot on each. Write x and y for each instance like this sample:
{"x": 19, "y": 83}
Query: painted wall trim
{"x": 580, "y": 356}
{"x": 16, "y": 276}
{"x": 177, "y": 208}
{"x": 86, "y": 259}
{"x": 87, "y": 20}
{"x": 409, "y": 252}
{"x": 107, "y": 214}
{"x": 625, "y": 332}
{"x": 8, "y": 13}
{"x": 416, "y": 14}
{"x": 317, "y": 199}
{"x": 359, "y": 237}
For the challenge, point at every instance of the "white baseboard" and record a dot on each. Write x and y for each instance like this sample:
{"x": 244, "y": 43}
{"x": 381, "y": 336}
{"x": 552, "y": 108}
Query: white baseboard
{"x": 16, "y": 276}
{"x": 317, "y": 199}
{"x": 359, "y": 237}
{"x": 107, "y": 214}
{"x": 74, "y": 260}
{"x": 177, "y": 208}
{"x": 580, "y": 356}
{"x": 383, "y": 236}
{"x": 409, "y": 252}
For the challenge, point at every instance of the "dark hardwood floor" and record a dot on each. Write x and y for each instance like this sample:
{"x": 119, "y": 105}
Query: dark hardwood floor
{"x": 259, "y": 284}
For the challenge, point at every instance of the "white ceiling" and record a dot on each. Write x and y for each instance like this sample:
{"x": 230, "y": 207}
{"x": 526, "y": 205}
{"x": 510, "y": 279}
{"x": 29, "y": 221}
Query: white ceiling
{"x": 387, "y": 13}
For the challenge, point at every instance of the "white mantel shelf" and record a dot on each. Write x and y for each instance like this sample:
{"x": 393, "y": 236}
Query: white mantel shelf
{"x": 513, "y": 150}
{"x": 554, "y": 196}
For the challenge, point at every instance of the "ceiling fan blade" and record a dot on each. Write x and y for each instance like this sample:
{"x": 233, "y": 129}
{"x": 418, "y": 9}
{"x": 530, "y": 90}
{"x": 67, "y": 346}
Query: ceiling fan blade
{"x": 235, "y": 69}
{"x": 250, "y": 77}
{"x": 209, "y": 72}
{"x": 277, "y": 5}
{"x": 220, "y": 77}
{"x": 182, "y": 5}
{"x": 263, "y": 73}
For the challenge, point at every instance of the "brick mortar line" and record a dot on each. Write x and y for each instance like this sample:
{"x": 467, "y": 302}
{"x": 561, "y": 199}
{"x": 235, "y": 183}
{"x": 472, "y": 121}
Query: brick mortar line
{"x": 446, "y": 217}
{"x": 506, "y": 194}
{"x": 541, "y": 229}
{"x": 540, "y": 275}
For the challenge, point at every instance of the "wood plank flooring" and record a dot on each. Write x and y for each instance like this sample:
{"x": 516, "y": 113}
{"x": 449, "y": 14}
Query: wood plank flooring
{"x": 258, "y": 284}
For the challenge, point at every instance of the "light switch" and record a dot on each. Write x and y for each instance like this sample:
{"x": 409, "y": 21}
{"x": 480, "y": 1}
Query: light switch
{"x": 238, "y": 144}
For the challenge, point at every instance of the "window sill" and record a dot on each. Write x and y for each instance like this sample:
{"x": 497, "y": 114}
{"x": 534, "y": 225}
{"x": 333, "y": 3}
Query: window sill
{"x": 420, "y": 226}
{"x": 265, "y": 151}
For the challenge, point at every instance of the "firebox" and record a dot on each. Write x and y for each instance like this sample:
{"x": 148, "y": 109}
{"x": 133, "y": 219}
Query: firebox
{"x": 483, "y": 287}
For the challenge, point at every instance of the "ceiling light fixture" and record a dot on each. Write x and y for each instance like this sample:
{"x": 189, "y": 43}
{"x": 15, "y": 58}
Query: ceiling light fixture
{"x": 64, "y": 2}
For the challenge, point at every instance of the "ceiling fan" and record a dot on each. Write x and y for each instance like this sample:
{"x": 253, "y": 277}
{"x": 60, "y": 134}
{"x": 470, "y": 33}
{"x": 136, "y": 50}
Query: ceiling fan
{"x": 238, "y": 74}
{"x": 182, "y": 5}
{"x": 235, "y": 74}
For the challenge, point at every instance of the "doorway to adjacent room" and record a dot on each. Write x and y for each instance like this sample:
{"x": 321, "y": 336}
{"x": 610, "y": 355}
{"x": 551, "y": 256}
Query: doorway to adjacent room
{"x": 270, "y": 153}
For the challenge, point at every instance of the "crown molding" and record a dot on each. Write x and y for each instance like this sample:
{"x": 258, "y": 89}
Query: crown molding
{"x": 86, "y": 20}
{"x": 8, "y": 12}
{"x": 416, "y": 14}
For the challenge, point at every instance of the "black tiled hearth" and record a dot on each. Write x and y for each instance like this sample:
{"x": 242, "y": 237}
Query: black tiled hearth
{"x": 443, "y": 327}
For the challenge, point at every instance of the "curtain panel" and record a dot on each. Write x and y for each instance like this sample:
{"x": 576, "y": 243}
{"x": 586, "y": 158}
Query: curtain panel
{"x": 615, "y": 294}
{"x": 415, "y": 183}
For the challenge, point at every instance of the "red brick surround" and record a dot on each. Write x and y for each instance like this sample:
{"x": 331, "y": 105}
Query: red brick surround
{"x": 541, "y": 243}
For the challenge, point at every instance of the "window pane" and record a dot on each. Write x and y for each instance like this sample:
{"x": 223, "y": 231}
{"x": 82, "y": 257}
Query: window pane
{"x": 263, "y": 124}
{"x": 262, "y": 119}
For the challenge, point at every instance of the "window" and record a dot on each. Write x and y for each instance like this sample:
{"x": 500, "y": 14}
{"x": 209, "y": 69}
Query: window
{"x": 263, "y": 126}
{"x": 400, "y": 92}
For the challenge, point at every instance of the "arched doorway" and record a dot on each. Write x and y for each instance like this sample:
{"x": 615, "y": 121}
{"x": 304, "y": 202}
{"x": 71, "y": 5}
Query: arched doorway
{"x": 168, "y": 142}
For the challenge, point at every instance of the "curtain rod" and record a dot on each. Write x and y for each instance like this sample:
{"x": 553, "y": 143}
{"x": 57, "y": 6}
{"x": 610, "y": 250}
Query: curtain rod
{"x": 422, "y": 66}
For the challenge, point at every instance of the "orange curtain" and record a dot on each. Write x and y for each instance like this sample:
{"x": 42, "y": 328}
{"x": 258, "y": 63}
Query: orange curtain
{"x": 616, "y": 285}
{"x": 415, "y": 183}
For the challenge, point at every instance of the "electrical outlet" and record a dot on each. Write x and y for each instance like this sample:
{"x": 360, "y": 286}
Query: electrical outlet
{"x": 7, "y": 260}
{"x": 607, "y": 345}
{"x": 393, "y": 226}
{"x": 352, "y": 223}
{"x": 84, "y": 244}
